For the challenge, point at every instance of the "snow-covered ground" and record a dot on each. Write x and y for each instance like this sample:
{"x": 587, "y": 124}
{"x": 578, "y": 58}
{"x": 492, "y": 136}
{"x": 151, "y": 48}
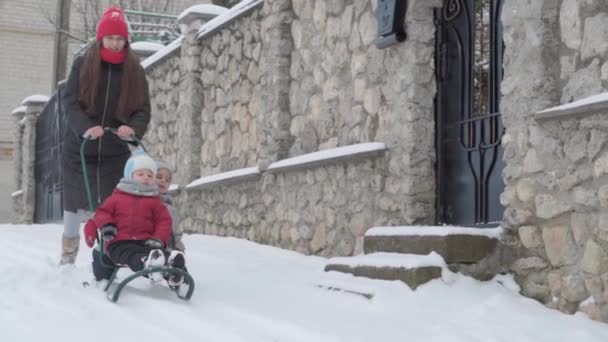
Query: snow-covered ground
{"x": 250, "y": 292}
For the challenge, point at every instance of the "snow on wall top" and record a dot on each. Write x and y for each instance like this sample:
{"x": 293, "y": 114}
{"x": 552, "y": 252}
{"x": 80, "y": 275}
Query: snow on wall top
{"x": 328, "y": 155}
{"x": 35, "y": 99}
{"x": 203, "y": 10}
{"x": 163, "y": 53}
{"x": 220, "y": 178}
{"x": 146, "y": 46}
{"x": 19, "y": 110}
{"x": 587, "y": 105}
{"x": 214, "y": 24}
{"x": 493, "y": 233}
{"x": 226, "y": 17}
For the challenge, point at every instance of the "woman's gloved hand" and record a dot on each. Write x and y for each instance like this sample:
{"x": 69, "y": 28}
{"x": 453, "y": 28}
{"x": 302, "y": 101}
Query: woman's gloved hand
{"x": 125, "y": 132}
{"x": 93, "y": 133}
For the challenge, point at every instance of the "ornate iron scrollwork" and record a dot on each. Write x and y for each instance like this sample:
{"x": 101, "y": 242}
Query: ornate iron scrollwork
{"x": 451, "y": 9}
{"x": 469, "y": 122}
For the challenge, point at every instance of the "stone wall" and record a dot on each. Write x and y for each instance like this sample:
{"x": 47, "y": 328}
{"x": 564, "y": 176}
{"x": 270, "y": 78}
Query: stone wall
{"x": 288, "y": 78}
{"x": 229, "y": 62}
{"x": 18, "y": 139}
{"x": 556, "y": 192}
{"x": 27, "y": 37}
{"x": 24, "y": 137}
{"x": 323, "y": 210}
{"x": 344, "y": 90}
{"x": 163, "y": 79}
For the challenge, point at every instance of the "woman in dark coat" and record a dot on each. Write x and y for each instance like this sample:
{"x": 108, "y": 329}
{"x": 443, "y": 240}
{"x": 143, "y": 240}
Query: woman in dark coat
{"x": 107, "y": 87}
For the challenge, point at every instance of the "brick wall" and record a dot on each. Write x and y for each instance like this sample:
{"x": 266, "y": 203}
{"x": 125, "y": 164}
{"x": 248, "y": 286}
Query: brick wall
{"x": 26, "y": 59}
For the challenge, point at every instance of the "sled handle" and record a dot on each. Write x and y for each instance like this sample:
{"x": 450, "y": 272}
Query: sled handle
{"x": 83, "y": 163}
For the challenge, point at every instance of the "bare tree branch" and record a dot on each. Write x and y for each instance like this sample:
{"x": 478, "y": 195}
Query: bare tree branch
{"x": 166, "y": 6}
{"x": 88, "y": 13}
{"x": 47, "y": 15}
{"x": 69, "y": 34}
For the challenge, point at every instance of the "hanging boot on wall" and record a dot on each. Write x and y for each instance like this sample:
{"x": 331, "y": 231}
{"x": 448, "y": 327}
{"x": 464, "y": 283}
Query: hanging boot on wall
{"x": 69, "y": 250}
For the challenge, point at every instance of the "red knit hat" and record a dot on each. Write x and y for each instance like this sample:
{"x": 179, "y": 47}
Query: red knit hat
{"x": 112, "y": 22}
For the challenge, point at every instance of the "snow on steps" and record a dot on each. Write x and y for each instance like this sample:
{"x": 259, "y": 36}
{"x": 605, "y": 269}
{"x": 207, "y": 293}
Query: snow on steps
{"x": 418, "y": 254}
{"x": 414, "y": 270}
{"x": 454, "y": 244}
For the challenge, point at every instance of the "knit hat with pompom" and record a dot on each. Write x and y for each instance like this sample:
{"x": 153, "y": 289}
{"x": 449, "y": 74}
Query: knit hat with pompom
{"x": 139, "y": 160}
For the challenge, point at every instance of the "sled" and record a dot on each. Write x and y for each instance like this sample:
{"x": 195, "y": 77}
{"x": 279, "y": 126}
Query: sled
{"x": 113, "y": 296}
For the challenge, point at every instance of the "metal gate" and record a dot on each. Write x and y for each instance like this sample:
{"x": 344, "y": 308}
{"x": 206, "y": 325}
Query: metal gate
{"x": 47, "y": 170}
{"x": 469, "y": 50}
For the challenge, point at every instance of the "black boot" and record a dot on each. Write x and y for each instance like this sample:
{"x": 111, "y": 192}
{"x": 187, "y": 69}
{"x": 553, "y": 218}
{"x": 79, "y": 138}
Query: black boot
{"x": 176, "y": 260}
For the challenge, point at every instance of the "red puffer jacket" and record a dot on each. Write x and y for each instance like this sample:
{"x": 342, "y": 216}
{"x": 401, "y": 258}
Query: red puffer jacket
{"x": 135, "y": 217}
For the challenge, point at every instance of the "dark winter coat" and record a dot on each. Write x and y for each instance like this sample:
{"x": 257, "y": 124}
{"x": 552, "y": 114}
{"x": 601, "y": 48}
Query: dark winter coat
{"x": 106, "y": 156}
{"x": 137, "y": 215}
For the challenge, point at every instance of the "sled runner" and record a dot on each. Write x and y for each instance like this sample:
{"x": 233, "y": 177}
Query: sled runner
{"x": 183, "y": 291}
{"x": 166, "y": 270}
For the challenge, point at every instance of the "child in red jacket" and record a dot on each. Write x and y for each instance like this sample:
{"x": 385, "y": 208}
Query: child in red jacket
{"x": 135, "y": 223}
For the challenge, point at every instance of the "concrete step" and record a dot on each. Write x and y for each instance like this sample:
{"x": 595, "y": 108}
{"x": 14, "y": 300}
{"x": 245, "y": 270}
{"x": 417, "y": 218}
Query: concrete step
{"x": 454, "y": 244}
{"x": 414, "y": 270}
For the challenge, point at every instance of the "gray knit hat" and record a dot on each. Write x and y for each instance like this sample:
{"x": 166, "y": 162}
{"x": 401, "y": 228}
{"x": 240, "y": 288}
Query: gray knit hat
{"x": 161, "y": 164}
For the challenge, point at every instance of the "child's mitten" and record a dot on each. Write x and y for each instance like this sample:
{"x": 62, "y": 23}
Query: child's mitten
{"x": 90, "y": 233}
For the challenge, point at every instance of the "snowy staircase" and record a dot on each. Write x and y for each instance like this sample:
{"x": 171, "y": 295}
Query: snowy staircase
{"x": 416, "y": 255}
{"x": 411, "y": 269}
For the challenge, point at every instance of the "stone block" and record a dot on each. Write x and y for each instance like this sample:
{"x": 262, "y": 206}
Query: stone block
{"x": 532, "y": 163}
{"x": 530, "y": 236}
{"x": 594, "y": 37}
{"x": 548, "y": 206}
{"x": 453, "y": 248}
{"x": 413, "y": 277}
{"x": 559, "y": 245}
{"x": 595, "y": 258}
{"x": 573, "y": 288}
{"x": 528, "y": 265}
{"x": 582, "y": 225}
{"x": 526, "y": 190}
{"x": 570, "y": 23}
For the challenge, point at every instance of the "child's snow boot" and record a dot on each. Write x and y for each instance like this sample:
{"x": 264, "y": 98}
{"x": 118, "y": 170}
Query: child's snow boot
{"x": 101, "y": 270}
{"x": 176, "y": 260}
{"x": 69, "y": 250}
{"x": 154, "y": 259}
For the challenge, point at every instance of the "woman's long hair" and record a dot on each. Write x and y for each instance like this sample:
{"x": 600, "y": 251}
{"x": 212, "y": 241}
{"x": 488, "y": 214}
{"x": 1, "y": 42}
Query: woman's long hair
{"x": 132, "y": 87}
